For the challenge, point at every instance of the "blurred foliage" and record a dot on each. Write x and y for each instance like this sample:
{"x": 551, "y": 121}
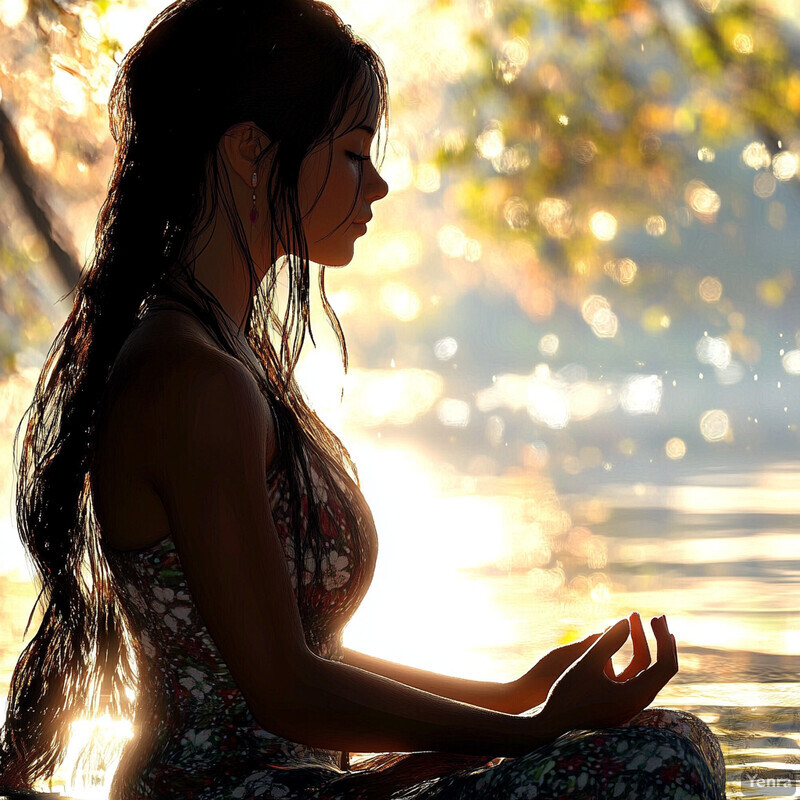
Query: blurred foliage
{"x": 609, "y": 106}
{"x": 592, "y": 184}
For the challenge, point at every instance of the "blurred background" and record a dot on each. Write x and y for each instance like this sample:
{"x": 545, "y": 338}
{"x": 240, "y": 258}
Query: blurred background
{"x": 574, "y": 331}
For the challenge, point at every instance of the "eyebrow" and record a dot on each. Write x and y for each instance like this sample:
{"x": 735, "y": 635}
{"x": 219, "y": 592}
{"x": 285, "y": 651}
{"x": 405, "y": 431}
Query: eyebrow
{"x": 363, "y": 127}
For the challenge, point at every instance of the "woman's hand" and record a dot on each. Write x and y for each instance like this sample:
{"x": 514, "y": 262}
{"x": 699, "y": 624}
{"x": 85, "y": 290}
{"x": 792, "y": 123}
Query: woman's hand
{"x": 585, "y": 697}
{"x": 531, "y": 689}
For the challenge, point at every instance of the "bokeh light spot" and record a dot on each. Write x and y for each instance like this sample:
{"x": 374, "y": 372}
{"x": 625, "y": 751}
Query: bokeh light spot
{"x": 784, "y": 166}
{"x": 764, "y": 185}
{"x": 452, "y": 241}
{"x": 703, "y": 201}
{"x": 710, "y": 289}
{"x": 601, "y": 319}
{"x": 656, "y": 225}
{"x": 513, "y": 58}
{"x": 713, "y": 350}
{"x": 555, "y": 216}
{"x": 791, "y": 362}
{"x": 491, "y": 142}
{"x": 743, "y": 43}
{"x": 715, "y": 425}
{"x": 445, "y": 348}
{"x": 641, "y": 394}
{"x": 756, "y": 155}
{"x": 548, "y": 344}
{"x": 38, "y": 144}
{"x": 516, "y": 213}
{"x": 603, "y": 225}
{"x": 622, "y": 270}
{"x": 584, "y": 150}
{"x": 675, "y": 448}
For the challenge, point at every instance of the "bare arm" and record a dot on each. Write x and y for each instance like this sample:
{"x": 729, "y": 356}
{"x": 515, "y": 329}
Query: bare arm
{"x": 486, "y": 694}
{"x": 207, "y": 424}
{"x": 514, "y": 697}
{"x": 341, "y": 707}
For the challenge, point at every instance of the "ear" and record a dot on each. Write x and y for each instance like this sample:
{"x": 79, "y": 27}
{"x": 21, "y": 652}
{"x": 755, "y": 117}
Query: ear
{"x": 241, "y": 145}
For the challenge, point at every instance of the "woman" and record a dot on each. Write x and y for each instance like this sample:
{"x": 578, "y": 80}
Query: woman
{"x": 171, "y": 567}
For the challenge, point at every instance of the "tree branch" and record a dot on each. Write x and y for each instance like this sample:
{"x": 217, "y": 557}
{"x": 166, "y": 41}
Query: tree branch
{"x": 19, "y": 169}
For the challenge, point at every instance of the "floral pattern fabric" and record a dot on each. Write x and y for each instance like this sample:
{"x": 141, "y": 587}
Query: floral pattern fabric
{"x": 661, "y": 754}
{"x": 197, "y": 739}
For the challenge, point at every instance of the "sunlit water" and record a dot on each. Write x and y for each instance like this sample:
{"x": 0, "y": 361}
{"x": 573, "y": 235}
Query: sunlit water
{"x": 479, "y": 576}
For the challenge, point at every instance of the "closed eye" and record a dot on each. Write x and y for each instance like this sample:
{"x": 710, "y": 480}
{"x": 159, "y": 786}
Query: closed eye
{"x": 357, "y": 157}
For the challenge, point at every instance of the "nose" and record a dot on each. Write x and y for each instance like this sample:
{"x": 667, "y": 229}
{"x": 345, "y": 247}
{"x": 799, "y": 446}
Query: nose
{"x": 375, "y": 187}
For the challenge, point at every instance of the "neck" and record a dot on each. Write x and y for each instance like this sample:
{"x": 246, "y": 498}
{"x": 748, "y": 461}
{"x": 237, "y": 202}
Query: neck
{"x": 218, "y": 263}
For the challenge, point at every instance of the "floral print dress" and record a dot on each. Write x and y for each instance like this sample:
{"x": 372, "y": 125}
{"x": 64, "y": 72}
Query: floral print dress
{"x": 196, "y": 738}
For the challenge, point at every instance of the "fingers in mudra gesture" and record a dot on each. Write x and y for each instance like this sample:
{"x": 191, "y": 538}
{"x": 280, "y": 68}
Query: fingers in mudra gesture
{"x": 641, "y": 652}
{"x": 586, "y": 696}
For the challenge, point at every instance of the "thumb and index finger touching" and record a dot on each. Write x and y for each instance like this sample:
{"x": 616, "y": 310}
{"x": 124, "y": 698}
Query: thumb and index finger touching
{"x": 613, "y": 638}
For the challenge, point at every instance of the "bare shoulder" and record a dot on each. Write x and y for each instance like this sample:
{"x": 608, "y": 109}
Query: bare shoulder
{"x": 165, "y": 364}
{"x": 168, "y": 376}
{"x": 157, "y": 352}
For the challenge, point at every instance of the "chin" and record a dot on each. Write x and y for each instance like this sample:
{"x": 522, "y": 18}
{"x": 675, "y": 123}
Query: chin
{"x": 334, "y": 261}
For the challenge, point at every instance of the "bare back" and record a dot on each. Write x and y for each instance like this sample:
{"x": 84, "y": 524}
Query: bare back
{"x": 128, "y": 457}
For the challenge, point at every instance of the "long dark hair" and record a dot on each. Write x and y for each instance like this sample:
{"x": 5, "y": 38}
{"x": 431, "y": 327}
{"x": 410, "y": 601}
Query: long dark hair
{"x": 293, "y": 69}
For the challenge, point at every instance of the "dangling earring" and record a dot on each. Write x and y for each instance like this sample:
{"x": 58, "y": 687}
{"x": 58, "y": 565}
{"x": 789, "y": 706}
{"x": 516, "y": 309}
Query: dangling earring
{"x": 254, "y": 210}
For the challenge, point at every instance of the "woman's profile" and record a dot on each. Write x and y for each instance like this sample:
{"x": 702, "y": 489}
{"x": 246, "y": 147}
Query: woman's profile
{"x": 199, "y": 532}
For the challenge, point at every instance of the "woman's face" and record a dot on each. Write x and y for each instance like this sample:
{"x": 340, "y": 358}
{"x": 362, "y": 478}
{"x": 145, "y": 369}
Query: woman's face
{"x": 338, "y": 184}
